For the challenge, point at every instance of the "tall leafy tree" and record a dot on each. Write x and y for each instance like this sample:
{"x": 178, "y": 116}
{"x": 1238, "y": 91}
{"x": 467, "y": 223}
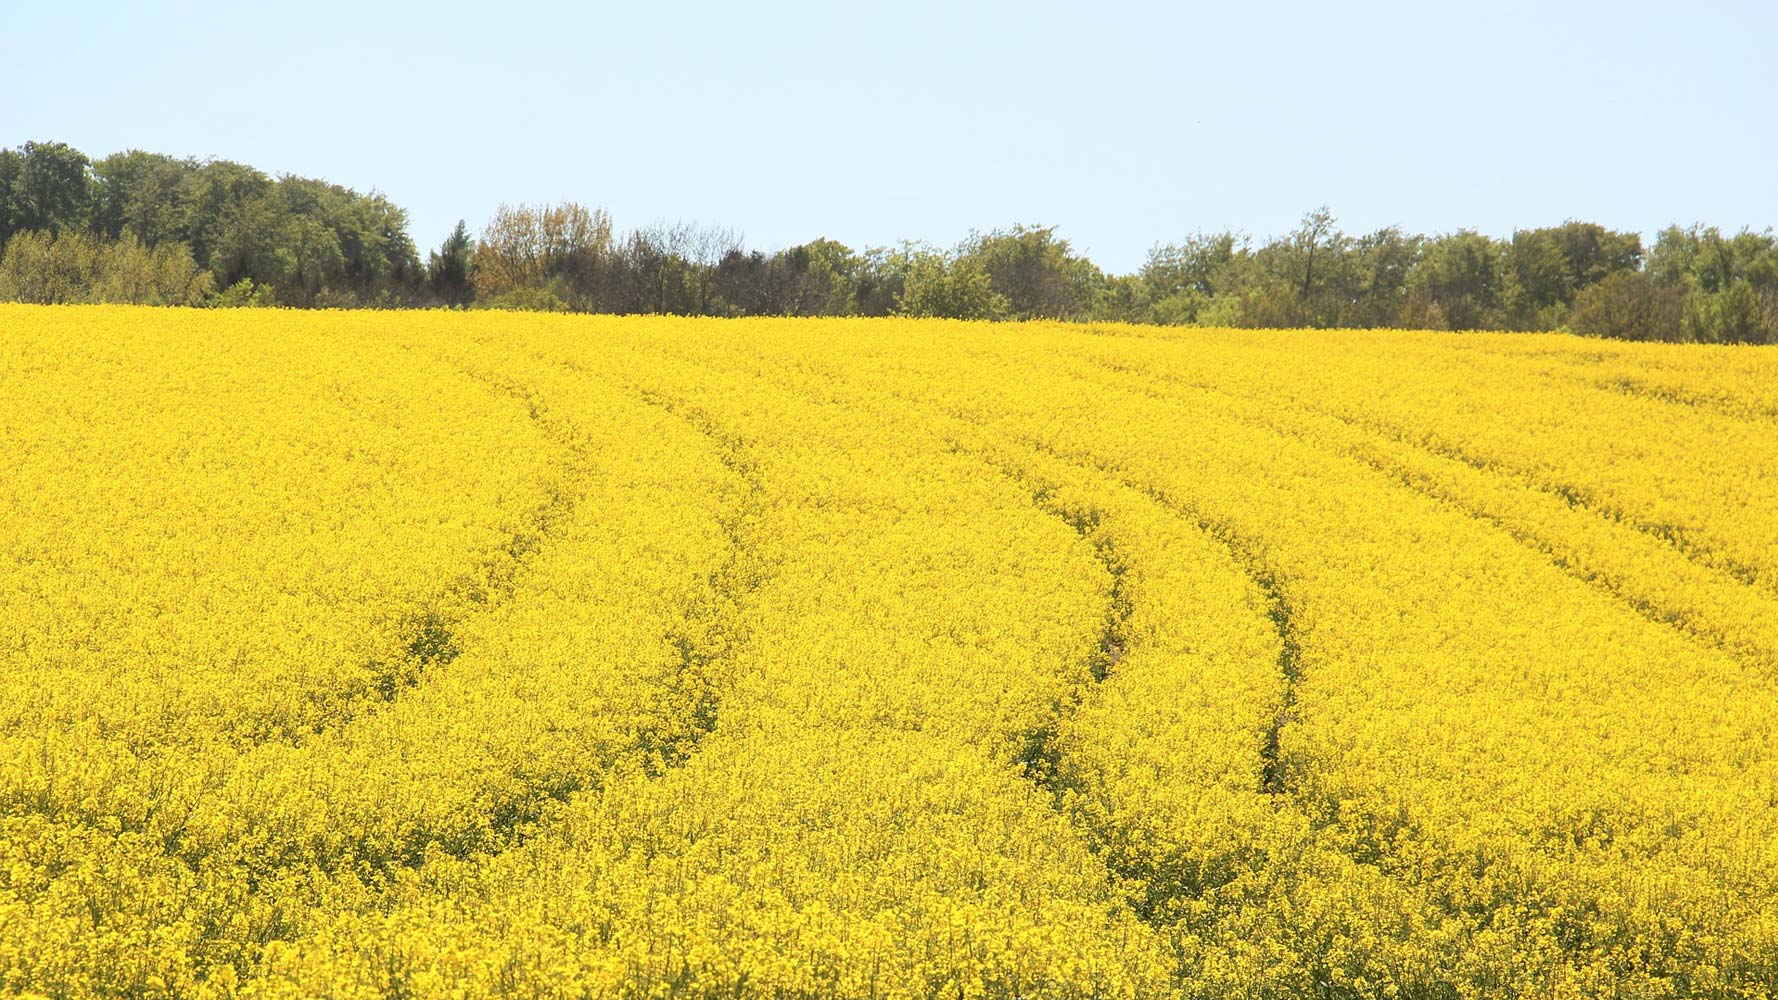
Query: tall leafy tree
{"x": 448, "y": 269}
{"x": 1457, "y": 284}
{"x": 1630, "y": 305}
{"x": 1035, "y": 272}
{"x": 1384, "y": 264}
{"x": 940, "y": 285}
{"x": 145, "y": 193}
{"x": 1543, "y": 270}
{"x": 44, "y": 186}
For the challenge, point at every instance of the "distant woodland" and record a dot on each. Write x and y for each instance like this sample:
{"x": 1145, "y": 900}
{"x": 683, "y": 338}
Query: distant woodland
{"x": 138, "y": 227}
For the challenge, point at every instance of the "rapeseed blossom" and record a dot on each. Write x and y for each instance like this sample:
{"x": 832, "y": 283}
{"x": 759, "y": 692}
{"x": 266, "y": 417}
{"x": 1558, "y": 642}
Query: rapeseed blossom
{"x": 490, "y": 654}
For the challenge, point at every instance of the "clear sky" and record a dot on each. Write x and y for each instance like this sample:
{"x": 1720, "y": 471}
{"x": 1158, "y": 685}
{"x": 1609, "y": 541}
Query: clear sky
{"x": 1122, "y": 123}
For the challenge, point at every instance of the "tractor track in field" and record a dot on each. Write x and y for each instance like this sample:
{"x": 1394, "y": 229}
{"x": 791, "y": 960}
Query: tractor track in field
{"x": 719, "y": 605}
{"x": 1705, "y": 560}
{"x": 1753, "y": 413}
{"x": 1040, "y": 760}
{"x": 730, "y": 587}
{"x": 1720, "y": 404}
{"x": 1246, "y": 555}
{"x": 1272, "y": 768}
{"x": 1674, "y": 537}
{"x": 708, "y": 628}
{"x": 1037, "y": 759}
{"x": 433, "y": 644}
{"x": 1680, "y": 540}
{"x": 1602, "y": 581}
{"x": 426, "y": 643}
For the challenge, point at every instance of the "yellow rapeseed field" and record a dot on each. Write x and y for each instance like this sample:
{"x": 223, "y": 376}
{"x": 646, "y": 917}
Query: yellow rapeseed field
{"x": 489, "y": 654}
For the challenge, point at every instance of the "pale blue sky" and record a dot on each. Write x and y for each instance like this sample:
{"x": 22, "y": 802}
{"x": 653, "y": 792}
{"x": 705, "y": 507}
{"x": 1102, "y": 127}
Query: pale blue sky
{"x": 1122, "y": 123}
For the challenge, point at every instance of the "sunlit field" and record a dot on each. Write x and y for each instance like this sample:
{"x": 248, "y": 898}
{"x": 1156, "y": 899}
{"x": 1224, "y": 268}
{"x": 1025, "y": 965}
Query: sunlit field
{"x": 440, "y": 654}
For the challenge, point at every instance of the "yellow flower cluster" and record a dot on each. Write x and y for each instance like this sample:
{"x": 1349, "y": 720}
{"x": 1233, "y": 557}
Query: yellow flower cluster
{"x": 462, "y": 655}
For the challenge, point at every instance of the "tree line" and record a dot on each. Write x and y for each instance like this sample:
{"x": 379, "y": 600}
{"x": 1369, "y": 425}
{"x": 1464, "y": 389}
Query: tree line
{"x": 143, "y": 227}
{"x": 74, "y": 229}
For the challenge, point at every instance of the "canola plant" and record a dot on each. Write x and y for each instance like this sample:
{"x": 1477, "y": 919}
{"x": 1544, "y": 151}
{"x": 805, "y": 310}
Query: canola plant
{"x": 513, "y": 655}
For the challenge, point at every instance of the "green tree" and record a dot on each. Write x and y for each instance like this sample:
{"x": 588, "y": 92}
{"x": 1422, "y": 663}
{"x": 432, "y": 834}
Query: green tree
{"x": 44, "y": 186}
{"x": 73, "y": 266}
{"x": 1630, "y": 305}
{"x": 1316, "y": 240}
{"x": 1383, "y": 264}
{"x": 938, "y": 285}
{"x": 821, "y": 277}
{"x": 558, "y": 254}
{"x": 312, "y": 264}
{"x": 1736, "y": 314}
{"x": 145, "y": 193}
{"x": 1036, "y": 273}
{"x": 1730, "y": 282}
{"x": 448, "y": 269}
{"x": 880, "y": 280}
{"x": 1306, "y": 278}
{"x": 1125, "y": 299}
{"x": 28, "y": 270}
{"x": 243, "y": 294}
{"x": 1182, "y": 278}
{"x": 1457, "y": 283}
{"x": 1543, "y": 270}
{"x": 1702, "y": 257}
{"x": 1195, "y": 265}
{"x": 234, "y": 222}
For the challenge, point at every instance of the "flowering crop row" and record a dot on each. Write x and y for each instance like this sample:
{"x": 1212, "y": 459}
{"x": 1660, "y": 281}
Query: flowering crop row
{"x": 490, "y": 654}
